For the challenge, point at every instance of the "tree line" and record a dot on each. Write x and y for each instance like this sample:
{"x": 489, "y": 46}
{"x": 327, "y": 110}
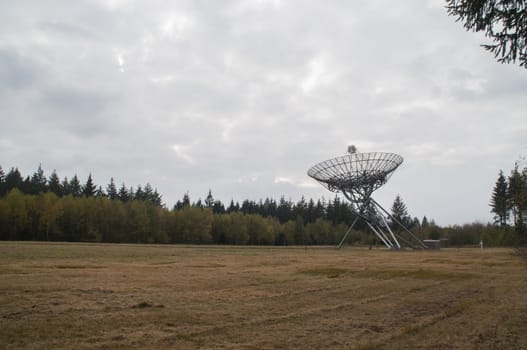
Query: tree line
{"x": 509, "y": 200}
{"x": 48, "y": 217}
{"x": 39, "y": 183}
{"x": 37, "y": 207}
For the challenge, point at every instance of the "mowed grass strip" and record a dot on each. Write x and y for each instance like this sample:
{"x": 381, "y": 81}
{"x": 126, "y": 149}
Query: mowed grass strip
{"x": 334, "y": 272}
{"x": 93, "y": 296}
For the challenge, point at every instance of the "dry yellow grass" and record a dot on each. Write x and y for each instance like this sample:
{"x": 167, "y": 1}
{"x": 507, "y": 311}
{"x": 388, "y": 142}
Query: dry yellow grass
{"x": 171, "y": 297}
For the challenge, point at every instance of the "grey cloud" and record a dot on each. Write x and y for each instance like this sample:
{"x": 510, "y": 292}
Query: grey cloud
{"x": 67, "y": 30}
{"x": 78, "y": 111}
{"x": 72, "y": 101}
{"x": 235, "y": 95}
{"x": 16, "y": 71}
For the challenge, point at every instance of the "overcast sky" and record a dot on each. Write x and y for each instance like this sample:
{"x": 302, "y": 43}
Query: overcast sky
{"x": 242, "y": 97}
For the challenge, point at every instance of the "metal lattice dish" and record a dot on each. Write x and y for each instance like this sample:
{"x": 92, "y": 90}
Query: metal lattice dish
{"x": 356, "y": 171}
{"x": 357, "y": 175}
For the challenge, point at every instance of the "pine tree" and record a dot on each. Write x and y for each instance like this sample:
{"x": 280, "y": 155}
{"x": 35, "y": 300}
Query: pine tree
{"x": 54, "y": 184}
{"x": 503, "y": 21}
{"x": 111, "y": 190}
{"x": 123, "y": 194}
{"x": 424, "y": 222}
{"x": 283, "y": 211}
{"x": 209, "y": 201}
{"x": 156, "y": 198}
{"x": 399, "y": 212}
{"x": 310, "y": 216}
{"x": 233, "y": 207}
{"x": 268, "y": 208}
{"x": 301, "y": 208}
{"x": 89, "y": 189}
{"x": 38, "y": 182}
{"x": 2, "y": 182}
{"x": 517, "y": 196}
{"x": 218, "y": 207}
{"x": 499, "y": 201}
{"x": 320, "y": 210}
{"x": 246, "y": 207}
{"x": 139, "y": 193}
{"x": 13, "y": 180}
{"x": 331, "y": 212}
{"x": 183, "y": 203}
{"x": 26, "y": 186}
{"x": 186, "y": 200}
{"x": 75, "y": 186}
{"x": 415, "y": 223}
{"x": 148, "y": 192}
{"x": 65, "y": 186}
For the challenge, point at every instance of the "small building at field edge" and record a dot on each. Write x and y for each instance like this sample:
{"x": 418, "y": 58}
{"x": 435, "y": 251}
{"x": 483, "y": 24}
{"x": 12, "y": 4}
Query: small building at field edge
{"x": 432, "y": 243}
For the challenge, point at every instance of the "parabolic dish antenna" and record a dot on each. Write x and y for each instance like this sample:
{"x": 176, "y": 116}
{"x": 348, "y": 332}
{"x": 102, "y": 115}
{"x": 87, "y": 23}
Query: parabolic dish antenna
{"x": 357, "y": 175}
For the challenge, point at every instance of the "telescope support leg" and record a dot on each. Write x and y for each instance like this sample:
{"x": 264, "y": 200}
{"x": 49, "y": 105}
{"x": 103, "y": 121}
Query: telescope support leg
{"x": 347, "y": 233}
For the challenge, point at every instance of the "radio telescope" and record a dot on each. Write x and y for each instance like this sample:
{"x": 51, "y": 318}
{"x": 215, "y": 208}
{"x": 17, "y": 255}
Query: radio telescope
{"x": 357, "y": 175}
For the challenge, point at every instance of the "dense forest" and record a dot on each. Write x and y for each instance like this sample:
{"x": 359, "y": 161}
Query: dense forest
{"x": 37, "y": 207}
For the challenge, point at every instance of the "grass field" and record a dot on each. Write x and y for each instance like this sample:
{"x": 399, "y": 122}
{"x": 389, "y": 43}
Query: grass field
{"x": 172, "y": 297}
